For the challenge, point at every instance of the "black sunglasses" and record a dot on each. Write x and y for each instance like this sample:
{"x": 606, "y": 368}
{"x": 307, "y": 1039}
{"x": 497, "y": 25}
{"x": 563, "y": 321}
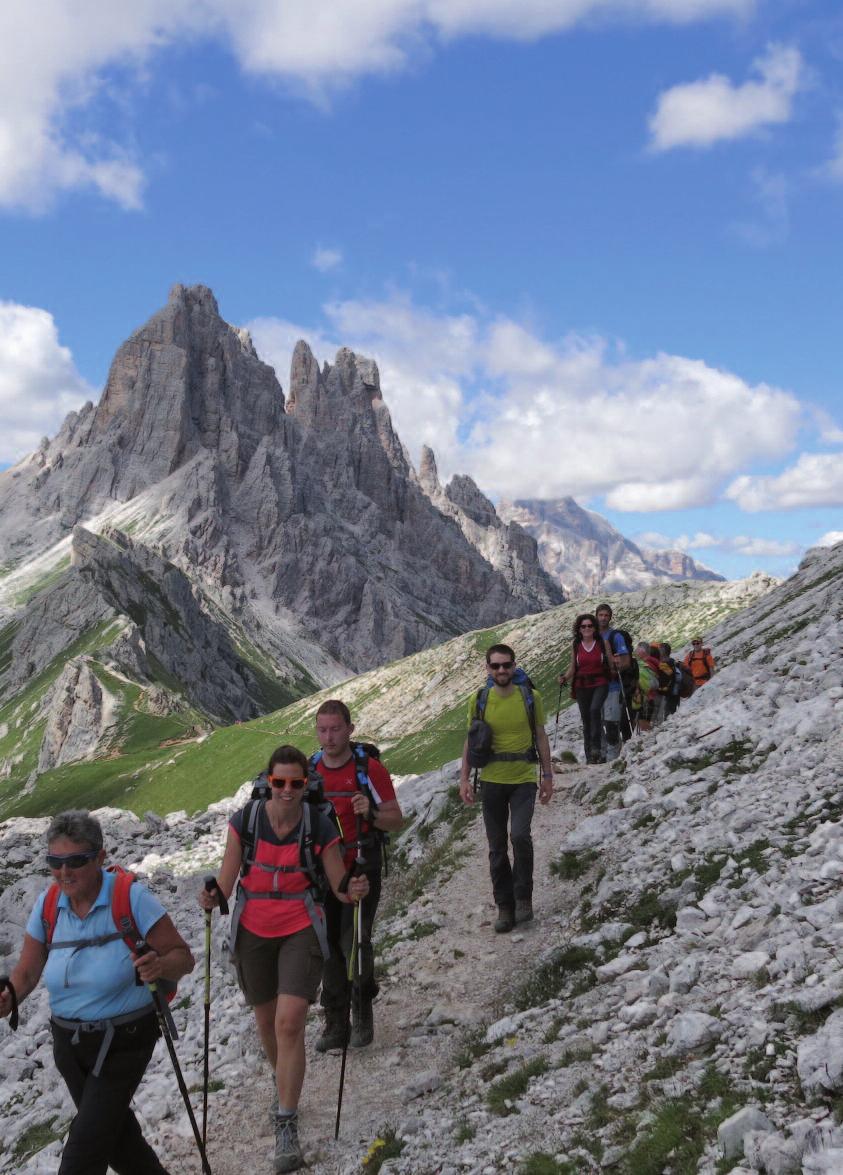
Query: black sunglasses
{"x": 281, "y": 784}
{"x": 493, "y": 665}
{"x": 71, "y": 860}
{"x": 587, "y": 624}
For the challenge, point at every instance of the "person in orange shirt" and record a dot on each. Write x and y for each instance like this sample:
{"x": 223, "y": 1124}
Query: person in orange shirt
{"x": 700, "y": 662}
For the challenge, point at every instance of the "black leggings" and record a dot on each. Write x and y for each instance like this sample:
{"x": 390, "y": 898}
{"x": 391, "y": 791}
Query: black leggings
{"x": 590, "y": 702}
{"x": 105, "y": 1132}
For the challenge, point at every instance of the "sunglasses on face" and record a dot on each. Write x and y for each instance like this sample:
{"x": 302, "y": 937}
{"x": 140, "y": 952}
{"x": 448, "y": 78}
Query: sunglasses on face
{"x": 281, "y": 784}
{"x": 586, "y": 626}
{"x": 71, "y": 860}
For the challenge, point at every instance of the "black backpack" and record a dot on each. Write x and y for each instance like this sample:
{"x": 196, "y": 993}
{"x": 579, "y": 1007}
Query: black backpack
{"x": 480, "y": 732}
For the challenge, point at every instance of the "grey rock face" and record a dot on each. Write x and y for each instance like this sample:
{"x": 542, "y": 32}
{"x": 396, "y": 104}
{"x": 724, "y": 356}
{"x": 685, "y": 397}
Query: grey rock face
{"x": 307, "y": 513}
{"x": 584, "y": 552}
{"x": 150, "y": 608}
{"x": 80, "y": 717}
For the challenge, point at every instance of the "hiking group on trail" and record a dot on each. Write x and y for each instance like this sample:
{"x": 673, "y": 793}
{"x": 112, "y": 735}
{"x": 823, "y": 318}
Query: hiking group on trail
{"x": 621, "y": 687}
{"x": 307, "y": 857}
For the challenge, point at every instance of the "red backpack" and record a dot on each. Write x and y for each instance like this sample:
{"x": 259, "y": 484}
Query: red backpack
{"x": 121, "y": 913}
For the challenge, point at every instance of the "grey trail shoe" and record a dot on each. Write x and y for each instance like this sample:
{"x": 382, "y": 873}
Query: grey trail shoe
{"x": 288, "y": 1153}
{"x": 333, "y": 1035}
{"x": 362, "y": 1024}
{"x": 523, "y": 910}
{"x": 506, "y": 920}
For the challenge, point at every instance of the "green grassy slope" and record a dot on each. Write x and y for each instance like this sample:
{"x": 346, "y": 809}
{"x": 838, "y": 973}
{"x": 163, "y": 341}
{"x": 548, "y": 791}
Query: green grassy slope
{"x": 415, "y": 709}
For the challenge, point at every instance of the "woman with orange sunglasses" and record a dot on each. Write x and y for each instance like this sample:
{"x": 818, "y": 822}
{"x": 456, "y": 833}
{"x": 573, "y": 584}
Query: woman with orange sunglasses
{"x": 278, "y": 923}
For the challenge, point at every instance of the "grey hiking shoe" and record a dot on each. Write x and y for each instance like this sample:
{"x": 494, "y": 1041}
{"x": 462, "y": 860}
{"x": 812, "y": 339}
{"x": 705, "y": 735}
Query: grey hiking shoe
{"x": 288, "y": 1152}
{"x": 333, "y": 1036}
{"x": 506, "y": 920}
{"x": 362, "y": 1024}
{"x": 523, "y": 910}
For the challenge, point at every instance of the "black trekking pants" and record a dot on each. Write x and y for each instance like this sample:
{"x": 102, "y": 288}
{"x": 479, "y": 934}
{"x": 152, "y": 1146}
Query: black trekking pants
{"x": 105, "y": 1133}
{"x": 590, "y": 702}
{"x": 339, "y": 919}
{"x": 513, "y": 804}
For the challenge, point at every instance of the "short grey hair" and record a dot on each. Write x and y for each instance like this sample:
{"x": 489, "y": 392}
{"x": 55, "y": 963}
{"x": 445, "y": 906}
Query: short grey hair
{"x": 79, "y": 826}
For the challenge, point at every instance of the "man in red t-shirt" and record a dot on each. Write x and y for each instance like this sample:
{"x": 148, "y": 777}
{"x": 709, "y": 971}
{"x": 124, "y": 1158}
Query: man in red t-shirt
{"x": 375, "y": 804}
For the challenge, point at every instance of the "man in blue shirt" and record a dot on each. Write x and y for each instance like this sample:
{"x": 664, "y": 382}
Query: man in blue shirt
{"x": 611, "y": 741}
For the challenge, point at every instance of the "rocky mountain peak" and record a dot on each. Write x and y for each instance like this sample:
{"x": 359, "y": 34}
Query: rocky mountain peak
{"x": 428, "y": 473}
{"x": 464, "y": 492}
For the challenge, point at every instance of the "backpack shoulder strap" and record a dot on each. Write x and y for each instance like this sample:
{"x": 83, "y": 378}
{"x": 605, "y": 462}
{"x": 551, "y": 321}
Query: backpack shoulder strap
{"x": 249, "y": 834}
{"x": 530, "y": 707}
{"x": 50, "y": 913}
{"x": 480, "y": 701}
{"x": 121, "y": 908}
{"x": 307, "y": 856}
{"x": 315, "y": 758}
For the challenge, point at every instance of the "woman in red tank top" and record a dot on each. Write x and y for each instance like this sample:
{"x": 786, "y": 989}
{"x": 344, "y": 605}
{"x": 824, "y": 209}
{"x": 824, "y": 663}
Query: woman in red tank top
{"x": 589, "y": 679}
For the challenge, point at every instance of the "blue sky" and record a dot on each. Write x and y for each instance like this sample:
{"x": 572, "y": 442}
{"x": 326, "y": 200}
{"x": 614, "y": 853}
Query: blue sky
{"x": 593, "y": 244}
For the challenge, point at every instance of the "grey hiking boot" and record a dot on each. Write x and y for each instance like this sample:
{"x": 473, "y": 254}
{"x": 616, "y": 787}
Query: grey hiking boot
{"x": 362, "y": 1024}
{"x": 523, "y": 910}
{"x": 288, "y": 1152}
{"x": 333, "y": 1036}
{"x": 506, "y": 920}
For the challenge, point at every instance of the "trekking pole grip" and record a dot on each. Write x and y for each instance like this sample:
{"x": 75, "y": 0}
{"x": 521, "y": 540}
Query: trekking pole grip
{"x": 14, "y": 1019}
{"x": 212, "y": 887}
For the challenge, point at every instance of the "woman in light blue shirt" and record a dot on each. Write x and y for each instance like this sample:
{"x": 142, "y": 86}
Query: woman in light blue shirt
{"x": 103, "y": 1020}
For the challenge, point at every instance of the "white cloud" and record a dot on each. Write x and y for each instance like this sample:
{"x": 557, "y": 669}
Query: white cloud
{"x": 830, "y": 539}
{"x": 815, "y": 480}
{"x": 531, "y": 418}
{"x": 735, "y": 544}
{"x": 39, "y": 383}
{"x": 56, "y": 57}
{"x": 698, "y": 114}
{"x": 326, "y": 259}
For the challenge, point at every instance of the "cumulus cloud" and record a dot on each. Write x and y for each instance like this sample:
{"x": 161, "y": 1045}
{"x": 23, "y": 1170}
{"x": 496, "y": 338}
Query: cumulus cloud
{"x": 830, "y": 539}
{"x": 734, "y": 544}
{"x": 815, "y": 480}
{"x": 57, "y": 59}
{"x": 39, "y": 383}
{"x": 484, "y": 392}
{"x": 326, "y": 259}
{"x": 698, "y": 114}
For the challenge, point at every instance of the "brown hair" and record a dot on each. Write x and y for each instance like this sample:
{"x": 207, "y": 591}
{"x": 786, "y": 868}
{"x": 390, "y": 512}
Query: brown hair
{"x": 288, "y": 754}
{"x": 335, "y": 706}
{"x": 505, "y": 649}
{"x": 576, "y": 627}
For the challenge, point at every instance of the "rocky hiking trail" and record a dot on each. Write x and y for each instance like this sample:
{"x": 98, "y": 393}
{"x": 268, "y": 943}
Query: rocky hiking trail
{"x": 453, "y": 972}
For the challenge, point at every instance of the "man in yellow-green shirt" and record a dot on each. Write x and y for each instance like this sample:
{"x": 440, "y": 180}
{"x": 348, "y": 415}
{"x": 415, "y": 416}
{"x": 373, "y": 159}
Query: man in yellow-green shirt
{"x": 508, "y": 782}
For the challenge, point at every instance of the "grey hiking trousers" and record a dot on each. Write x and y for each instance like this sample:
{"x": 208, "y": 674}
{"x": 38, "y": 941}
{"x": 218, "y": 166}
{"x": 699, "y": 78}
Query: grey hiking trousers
{"x": 509, "y": 804}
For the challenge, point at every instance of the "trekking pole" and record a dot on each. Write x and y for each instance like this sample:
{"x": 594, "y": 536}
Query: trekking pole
{"x": 14, "y": 1019}
{"x": 211, "y": 887}
{"x": 558, "y": 706}
{"x": 164, "y": 1023}
{"x": 358, "y": 867}
{"x": 713, "y": 730}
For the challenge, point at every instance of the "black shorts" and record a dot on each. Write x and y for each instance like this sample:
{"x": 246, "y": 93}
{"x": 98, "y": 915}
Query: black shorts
{"x": 269, "y": 967}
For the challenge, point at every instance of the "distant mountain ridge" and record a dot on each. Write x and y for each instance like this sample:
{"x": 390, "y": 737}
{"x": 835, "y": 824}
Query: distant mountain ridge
{"x": 584, "y": 553}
